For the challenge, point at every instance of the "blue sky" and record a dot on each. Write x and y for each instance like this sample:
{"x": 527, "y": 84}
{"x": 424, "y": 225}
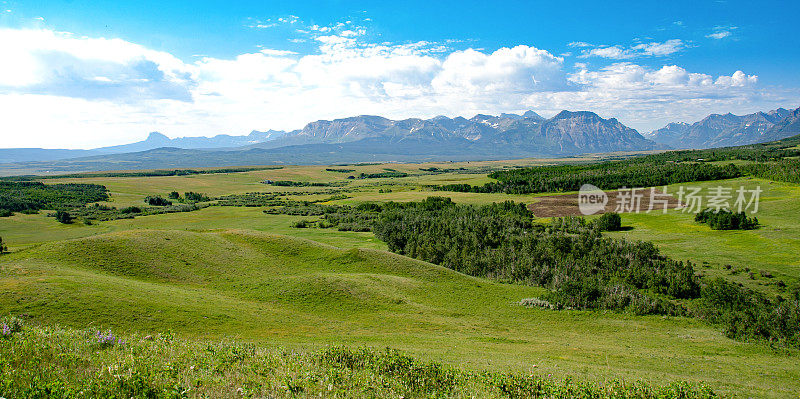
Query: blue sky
{"x": 80, "y": 74}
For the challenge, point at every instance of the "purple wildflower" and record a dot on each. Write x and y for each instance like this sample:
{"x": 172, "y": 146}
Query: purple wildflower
{"x": 106, "y": 338}
{"x": 6, "y": 330}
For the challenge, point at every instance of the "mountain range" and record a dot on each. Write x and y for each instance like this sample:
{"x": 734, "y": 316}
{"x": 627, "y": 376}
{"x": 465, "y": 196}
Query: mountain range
{"x": 729, "y": 130}
{"x": 369, "y": 138}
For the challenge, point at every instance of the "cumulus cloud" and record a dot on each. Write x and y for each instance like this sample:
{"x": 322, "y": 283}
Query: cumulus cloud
{"x": 648, "y": 98}
{"x": 47, "y": 62}
{"x": 66, "y": 91}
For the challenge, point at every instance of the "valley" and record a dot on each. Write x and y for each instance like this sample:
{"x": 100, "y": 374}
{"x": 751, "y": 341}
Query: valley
{"x": 241, "y": 273}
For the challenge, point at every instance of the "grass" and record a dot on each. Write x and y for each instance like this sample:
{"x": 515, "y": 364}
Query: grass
{"x": 236, "y": 273}
{"x": 21, "y": 231}
{"x": 303, "y": 295}
{"x": 41, "y": 362}
{"x": 773, "y": 247}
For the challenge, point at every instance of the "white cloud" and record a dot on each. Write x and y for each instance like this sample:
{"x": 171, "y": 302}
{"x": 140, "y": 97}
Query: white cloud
{"x": 63, "y": 90}
{"x": 721, "y": 34}
{"x": 660, "y": 49}
{"x": 48, "y": 62}
{"x": 274, "y": 52}
{"x": 618, "y": 52}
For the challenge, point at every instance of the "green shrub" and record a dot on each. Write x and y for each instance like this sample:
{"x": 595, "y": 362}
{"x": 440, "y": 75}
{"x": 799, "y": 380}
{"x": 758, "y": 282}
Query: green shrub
{"x": 302, "y": 224}
{"x": 609, "y": 222}
{"x": 63, "y": 217}
{"x": 724, "y": 219}
{"x": 157, "y": 200}
{"x": 131, "y": 209}
{"x": 195, "y": 197}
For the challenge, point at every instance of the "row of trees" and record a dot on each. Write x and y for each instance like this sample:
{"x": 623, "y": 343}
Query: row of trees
{"x": 774, "y": 161}
{"x": 189, "y": 196}
{"x": 34, "y": 196}
{"x": 606, "y": 176}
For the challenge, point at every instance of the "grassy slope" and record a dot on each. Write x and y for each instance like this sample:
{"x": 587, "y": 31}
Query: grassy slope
{"x": 40, "y": 362}
{"x": 289, "y": 291}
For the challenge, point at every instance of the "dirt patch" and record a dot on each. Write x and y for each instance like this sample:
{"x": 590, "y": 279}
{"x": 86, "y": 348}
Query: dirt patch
{"x": 567, "y": 204}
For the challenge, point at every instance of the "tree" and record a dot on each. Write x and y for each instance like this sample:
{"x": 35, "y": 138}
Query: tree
{"x": 174, "y": 195}
{"x": 157, "y": 201}
{"x": 64, "y": 217}
{"x": 609, "y": 222}
{"x": 3, "y": 247}
{"x": 195, "y": 197}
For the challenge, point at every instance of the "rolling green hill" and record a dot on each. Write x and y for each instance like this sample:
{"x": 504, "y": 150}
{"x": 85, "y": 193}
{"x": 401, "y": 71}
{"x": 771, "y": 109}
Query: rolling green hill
{"x": 253, "y": 286}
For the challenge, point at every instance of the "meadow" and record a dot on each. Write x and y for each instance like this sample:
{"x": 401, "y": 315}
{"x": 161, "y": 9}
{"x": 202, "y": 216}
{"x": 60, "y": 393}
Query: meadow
{"x": 238, "y": 274}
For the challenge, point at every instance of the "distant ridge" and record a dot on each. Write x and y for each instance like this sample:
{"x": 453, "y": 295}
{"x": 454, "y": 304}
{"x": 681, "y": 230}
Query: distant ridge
{"x": 158, "y": 140}
{"x": 567, "y": 133}
{"x": 369, "y": 138}
{"x": 728, "y": 130}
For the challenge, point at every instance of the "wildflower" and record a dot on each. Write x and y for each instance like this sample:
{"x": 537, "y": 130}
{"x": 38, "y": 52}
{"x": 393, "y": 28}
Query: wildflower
{"x": 6, "y": 330}
{"x": 107, "y": 338}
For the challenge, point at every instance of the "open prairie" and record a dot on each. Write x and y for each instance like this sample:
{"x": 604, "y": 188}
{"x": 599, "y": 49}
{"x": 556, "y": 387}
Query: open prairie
{"x": 236, "y": 272}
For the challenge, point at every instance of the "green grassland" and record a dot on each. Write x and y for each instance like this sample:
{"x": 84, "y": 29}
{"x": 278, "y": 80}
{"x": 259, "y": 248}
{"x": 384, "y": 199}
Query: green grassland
{"x": 40, "y": 362}
{"x": 253, "y": 286}
{"x": 237, "y": 273}
{"x": 774, "y": 247}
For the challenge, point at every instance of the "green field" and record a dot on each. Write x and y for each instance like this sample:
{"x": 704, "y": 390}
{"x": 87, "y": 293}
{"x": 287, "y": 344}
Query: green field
{"x": 258, "y": 287}
{"x": 774, "y": 247}
{"x": 239, "y": 274}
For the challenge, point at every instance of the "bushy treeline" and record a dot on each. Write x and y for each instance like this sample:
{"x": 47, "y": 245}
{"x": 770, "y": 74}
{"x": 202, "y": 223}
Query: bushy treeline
{"x": 747, "y": 314}
{"x": 787, "y": 170}
{"x": 291, "y": 183}
{"x": 724, "y": 219}
{"x": 249, "y": 199}
{"x": 189, "y": 196}
{"x": 379, "y": 175}
{"x": 605, "y": 175}
{"x": 157, "y": 200}
{"x": 581, "y": 268}
{"x": 435, "y": 170}
{"x": 33, "y": 196}
{"x": 102, "y": 213}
